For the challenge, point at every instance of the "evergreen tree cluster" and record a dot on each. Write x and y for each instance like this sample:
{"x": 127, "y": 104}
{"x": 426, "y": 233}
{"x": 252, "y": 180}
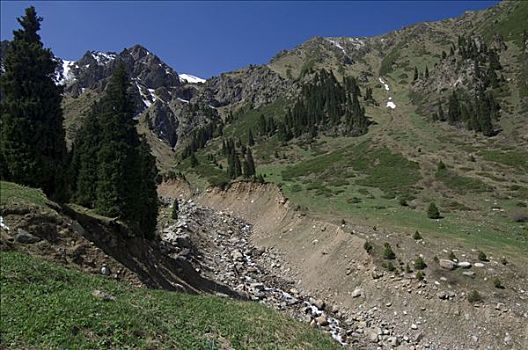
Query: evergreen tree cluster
{"x": 486, "y": 61}
{"x": 200, "y": 136}
{"x": 235, "y": 166}
{"x": 113, "y": 170}
{"x": 110, "y": 168}
{"x": 32, "y": 139}
{"x": 325, "y": 104}
{"x": 478, "y": 109}
{"x": 266, "y": 126}
{"x": 474, "y": 113}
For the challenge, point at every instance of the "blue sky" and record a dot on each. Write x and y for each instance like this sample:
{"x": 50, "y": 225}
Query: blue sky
{"x": 207, "y": 38}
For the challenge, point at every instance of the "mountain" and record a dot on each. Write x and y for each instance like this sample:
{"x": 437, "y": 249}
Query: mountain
{"x": 376, "y": 187}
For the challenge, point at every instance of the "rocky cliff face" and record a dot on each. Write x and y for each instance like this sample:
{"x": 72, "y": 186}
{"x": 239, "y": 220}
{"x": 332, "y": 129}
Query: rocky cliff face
{"x": 256, "y": 85}
{"x": 160, "y": 95}
{"x": 172, "y": 107}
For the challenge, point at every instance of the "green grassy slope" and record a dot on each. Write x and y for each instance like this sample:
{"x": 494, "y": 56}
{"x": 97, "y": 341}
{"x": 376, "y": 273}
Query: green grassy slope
{"x": 46, "y": 306}
{"x": 12, "y": 193}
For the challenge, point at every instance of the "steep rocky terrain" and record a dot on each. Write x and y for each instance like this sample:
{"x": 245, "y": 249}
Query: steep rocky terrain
{"x": 311, "y": 268}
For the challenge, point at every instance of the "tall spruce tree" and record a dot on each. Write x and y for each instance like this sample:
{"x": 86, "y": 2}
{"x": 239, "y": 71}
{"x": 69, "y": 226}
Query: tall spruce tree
{"x": 117, "y": 154}
{"x": 126, "y": 169}
{"x": 84, "y": 165}
{"x": 147, "y": 203}
{"x": 250, "y": 163}
{"x": 32, "y": 144}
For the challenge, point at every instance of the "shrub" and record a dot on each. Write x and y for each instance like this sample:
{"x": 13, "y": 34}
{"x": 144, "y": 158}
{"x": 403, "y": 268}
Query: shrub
{"x": 354, "y": 200}
{"x": 368, "y": 247}
{"x": 388, "y": 253}
{"x": 504, "y": 261}
{"x": 441, "y": 165}
{"x": 520, "y": 217}
{"x": 474, "y": 296}
{"x": 343, "y": 222}
{"x": 389, "y": 266}
{"x": 419, "y": 263}
{"x": 420, "y": 275}
{"x": 417, "y": 235}
{"x": 433, "y": 212}
{"x": 452, "y": 256}
{"x": 482, "y": 256}
{"x": 408, "y": 268}
{"x": 403, "y": 201}
{"x": 497, "y": 283}
{"x": 435, "y": 259}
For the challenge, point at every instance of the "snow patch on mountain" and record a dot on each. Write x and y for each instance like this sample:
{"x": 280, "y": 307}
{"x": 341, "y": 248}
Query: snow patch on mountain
{"x": 188, "y": 78}
{"x": 146, "y": 98}
{"x": 64, "y": 73}
{"x": 384, "y": 83}
{"x": 356, "y": 42}
{"x": 103, "y": 58}
{"x": 337, "y": 44}
{"x": 390, "y": 104}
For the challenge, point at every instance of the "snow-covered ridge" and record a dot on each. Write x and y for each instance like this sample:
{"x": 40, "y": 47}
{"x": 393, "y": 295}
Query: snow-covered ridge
{"x": 190, "y": 78}
{"x": 103, "y": 58}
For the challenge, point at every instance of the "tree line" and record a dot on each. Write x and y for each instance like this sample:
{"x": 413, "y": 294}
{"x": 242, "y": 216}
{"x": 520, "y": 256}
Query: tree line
{"x": 476, "y": 109}
{"x": 110, "y": 167}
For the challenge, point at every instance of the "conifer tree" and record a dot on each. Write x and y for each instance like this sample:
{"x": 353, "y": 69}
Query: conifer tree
{"x": 147, "y": 203}
{"x": 441, "y": 115}
{"x": 32, "y": 143}
{"x": 250, "y": 163}
{"x": 415, "y": 77}
{"x": 453, "y": 114}
{"x": 433, "y": 212}
{"x": 117, "y": 156}
{"x": 84, "y": 165}
{"x": 115, "y": 171}
{"x": 251, "y": 139}
{"x": 194, "y": 160}
{"x": 426, "y": 72}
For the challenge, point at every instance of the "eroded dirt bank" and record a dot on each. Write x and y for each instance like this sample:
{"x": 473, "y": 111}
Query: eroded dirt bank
{"x": 384, "y": 309}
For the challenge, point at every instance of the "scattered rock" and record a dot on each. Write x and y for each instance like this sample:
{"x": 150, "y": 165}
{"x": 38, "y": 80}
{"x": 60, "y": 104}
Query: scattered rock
{"x": 464, "y": 264}
{"x": 447, "y": 264}
{"x": 105, "y": 270}
{"x": 237, "y": 255}
{"x": 318, "y": 303}
{"x": 442, "y": 295}
{"x": 373, "y": 334}
{"x": 393, "y": 341}
{"x": 25, "y": 237}
{"x": 377, "y": 274}
{"x": 469, "y": 274}
{"x": 99, "y": 294}
{"x": 357, "y": 293}
{"x": 479, "y": 265}
{"x": 321, "y": 320}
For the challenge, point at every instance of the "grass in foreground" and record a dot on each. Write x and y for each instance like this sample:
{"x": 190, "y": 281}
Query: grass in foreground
{"x": 47, "y": 306}
{"x": 12, "y": 193}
